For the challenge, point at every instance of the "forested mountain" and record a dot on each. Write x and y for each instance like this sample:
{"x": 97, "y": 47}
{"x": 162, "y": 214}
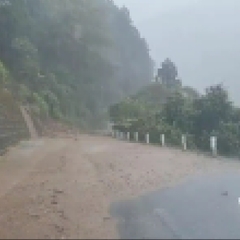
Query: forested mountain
{"x": 70, "y": 59}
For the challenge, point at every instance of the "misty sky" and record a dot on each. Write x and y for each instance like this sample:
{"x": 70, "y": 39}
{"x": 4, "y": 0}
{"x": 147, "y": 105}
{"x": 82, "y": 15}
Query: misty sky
{"x": 144, "y": 9}
{"x": 201, "y": 36}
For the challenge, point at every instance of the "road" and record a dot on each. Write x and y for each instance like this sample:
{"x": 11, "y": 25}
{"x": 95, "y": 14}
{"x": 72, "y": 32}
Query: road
{"x": 72, "y": 188}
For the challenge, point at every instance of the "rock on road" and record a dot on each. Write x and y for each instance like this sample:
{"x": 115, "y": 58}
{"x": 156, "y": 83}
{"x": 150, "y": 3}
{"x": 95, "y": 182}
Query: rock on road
{"x": 64, "y": 187}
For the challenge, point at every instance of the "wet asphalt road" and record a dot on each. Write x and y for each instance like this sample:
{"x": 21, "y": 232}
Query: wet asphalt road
{"x": 201, "y": 207}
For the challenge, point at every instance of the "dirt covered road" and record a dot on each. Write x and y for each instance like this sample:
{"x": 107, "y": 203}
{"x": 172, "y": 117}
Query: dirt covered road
{"x": 63, "y": 188}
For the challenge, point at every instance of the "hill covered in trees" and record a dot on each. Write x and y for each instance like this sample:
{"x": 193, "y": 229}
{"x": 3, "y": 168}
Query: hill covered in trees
{"x": 71, "y": 59}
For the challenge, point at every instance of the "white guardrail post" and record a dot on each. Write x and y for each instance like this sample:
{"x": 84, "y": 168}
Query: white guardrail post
{"x": 213, "y": 145}
{"x": 128, "y": 136}
{"x": 184, "y": 142}
{"x": 122, "y": 136}
{"x": 147, "y": 138}
{"x": 118, "y": 135}
{"x": 162, "y": 137}
{"x": 136, "y": 136}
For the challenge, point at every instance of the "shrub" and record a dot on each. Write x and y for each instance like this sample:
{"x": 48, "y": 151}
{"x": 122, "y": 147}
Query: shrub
{"x": 228, "y": 138}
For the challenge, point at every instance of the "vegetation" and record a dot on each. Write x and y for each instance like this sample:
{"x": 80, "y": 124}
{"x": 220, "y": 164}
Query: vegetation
{"x": 73, "y": 59}
{"x": 183, "y": 111}
{"x": 12, "y": 125}
{"x": 70, "y": 59}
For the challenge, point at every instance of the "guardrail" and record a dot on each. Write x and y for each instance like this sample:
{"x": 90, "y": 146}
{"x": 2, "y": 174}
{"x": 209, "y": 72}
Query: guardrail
{"x": 162, "y": 140}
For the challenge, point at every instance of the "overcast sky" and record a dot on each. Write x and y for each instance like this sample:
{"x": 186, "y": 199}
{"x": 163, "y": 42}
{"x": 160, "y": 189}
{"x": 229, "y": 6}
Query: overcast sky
{"x": 201, "y": 36}
{"x": 150, "y": 11}
{"x": 145, "y": 9}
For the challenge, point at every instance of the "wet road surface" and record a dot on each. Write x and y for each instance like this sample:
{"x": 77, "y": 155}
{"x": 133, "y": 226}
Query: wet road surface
{"x": 64, "y": 187}
{"x": 202, "y": 207}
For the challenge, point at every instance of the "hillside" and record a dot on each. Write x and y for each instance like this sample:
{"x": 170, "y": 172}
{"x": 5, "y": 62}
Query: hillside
{"x": 69, "y": 60}
{"x": 12, "y": 125}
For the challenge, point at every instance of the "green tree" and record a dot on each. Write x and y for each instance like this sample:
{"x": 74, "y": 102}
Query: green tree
{"x": 211, "y": 109}
{"x": 4, "y": 74}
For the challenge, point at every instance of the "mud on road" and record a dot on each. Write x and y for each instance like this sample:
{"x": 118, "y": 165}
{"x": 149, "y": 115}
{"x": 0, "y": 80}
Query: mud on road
{"x": 63, "y": 187}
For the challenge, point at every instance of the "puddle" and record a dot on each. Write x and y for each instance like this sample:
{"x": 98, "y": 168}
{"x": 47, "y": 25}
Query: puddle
{"x": 202, "y": 207}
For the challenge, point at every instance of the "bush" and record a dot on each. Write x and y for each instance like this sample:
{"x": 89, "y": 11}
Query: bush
{"x": 202, "y": 141}
{"x": 40, "y": 102}
{"x": 56, "y": 113}
{"x": 191, "y": 142}
{"x": 228, "y": 139}
{"x": 173, "y": 136}
{"x": 24, "y": 93}
{"x": 4, "y": 74}
{"x": 209, "y": 115}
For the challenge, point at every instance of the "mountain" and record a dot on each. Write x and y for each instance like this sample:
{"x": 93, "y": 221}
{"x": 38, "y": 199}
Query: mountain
{"x": 71, "y": 59}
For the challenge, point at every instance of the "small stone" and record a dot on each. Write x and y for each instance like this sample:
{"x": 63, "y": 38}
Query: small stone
{"x": 106, "y": 218}
{"x": 54, "y": 202}
{"x": 57, "y": 191}
{"x": 33, "y": 215}
{"x": 225, "y": 193}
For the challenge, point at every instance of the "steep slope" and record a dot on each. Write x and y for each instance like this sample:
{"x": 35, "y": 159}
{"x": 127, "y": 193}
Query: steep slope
{"x": 70, "y": 59}
{"x": 12, "y": 125}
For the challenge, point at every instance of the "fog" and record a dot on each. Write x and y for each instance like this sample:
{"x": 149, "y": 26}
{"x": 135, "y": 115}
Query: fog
{"x": 201, "y": 36}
